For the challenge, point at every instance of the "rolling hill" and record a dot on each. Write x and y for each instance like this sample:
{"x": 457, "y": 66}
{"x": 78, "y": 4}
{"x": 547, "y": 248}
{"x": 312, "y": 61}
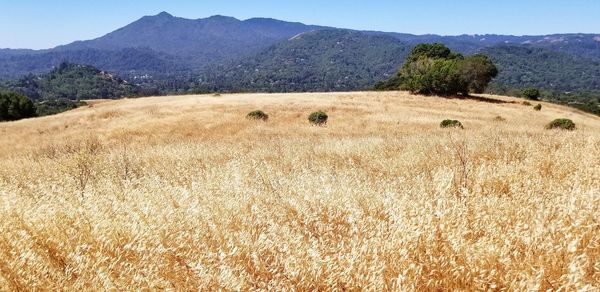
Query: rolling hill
{"x": 525, "y": 66}
{"x": 73, "y": 82}
{"x": 130, "y": 62}
{"x": 185, "y": 193}
{"x": 325, "y": 60}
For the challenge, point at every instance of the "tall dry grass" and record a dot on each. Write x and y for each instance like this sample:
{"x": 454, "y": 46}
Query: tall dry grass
{"x": 185, "y": 193}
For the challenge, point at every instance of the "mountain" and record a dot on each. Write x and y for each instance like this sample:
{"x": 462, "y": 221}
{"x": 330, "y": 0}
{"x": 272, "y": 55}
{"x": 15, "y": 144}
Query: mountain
{"x": 325, "y": 60}
{"x": 74, "y": 82}
{"x": 158, "y": 46}
{"x": 198, "y": 41}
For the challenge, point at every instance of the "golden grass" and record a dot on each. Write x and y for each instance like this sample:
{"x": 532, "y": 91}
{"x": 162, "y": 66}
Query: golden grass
{"x": 184, "y": 193}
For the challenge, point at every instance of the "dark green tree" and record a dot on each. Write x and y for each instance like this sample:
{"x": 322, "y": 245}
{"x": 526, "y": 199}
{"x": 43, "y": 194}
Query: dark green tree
{"x": 15, "y": 106}
{"x": 432, "y": 69}
{"x": 432, "y": 51}
{"x": 480, "y": 71}
{"x": 531, "y": 93}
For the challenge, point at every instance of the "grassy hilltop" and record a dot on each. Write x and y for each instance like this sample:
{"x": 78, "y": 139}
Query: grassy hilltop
{"x": 186, "y": 193}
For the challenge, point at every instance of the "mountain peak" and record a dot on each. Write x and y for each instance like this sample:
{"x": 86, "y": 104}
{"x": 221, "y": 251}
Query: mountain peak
{"x": 164, "y": 14}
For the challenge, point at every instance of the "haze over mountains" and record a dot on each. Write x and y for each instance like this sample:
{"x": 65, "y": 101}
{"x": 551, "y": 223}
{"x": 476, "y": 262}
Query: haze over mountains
{"x": 261, "y": 54}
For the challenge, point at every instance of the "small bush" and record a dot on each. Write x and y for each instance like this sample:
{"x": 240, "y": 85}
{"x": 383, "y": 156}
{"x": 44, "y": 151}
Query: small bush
{"x": 531, "y": 93}
{"x": 563, "y": 124}
{"x": 526, "y": 103}
{"x": 318, "y": 118}
{"x": 451, "y": 124}
{"x": 499, "y": 119}
{"x": 538, "y": 107}
{"x": 257, "y": 115}
{"x": 216, "y": 94}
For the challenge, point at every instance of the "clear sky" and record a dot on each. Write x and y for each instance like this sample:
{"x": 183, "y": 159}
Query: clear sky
{"x": 46, "y": 23}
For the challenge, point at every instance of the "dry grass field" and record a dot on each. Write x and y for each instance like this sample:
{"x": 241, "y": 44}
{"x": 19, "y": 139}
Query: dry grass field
{"x": 184, "y": 193}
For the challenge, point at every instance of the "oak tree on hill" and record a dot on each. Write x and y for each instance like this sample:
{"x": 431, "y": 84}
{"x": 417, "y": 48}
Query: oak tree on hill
{"x": 433, "y": 69}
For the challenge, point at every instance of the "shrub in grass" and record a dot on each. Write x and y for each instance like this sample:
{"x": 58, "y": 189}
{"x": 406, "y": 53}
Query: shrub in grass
{"x": 257, "y": 115}
{"x": 563, "y": 124}
{"x": 538, "y": 107}
{"x": 216, "y": 94}
{"x": 499, "y": 119}
{"x": 526, "y": 103}
{"x": 451, "y": 124}
{"x": 318, "y": 118}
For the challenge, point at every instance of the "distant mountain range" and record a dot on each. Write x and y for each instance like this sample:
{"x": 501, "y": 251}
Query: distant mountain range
{"x": 261, "y": 54}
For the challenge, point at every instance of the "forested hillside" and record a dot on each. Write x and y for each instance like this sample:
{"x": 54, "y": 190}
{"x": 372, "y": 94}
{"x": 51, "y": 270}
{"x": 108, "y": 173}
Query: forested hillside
{"x": 522, "y": 67}
{"x": 139, "y": 63}
{"x": 74, "y": 82}
{"x": 327, "y": 60}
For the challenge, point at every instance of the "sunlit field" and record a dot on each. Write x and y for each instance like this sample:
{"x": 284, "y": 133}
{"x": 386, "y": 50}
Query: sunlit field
{"x": 185, "y": 193}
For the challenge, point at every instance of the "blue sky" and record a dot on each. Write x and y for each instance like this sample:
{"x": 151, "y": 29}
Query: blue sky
{"x": 46, "y": 23}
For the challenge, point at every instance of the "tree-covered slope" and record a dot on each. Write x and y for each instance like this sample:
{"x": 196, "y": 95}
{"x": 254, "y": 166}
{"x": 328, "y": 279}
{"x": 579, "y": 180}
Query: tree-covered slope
{"x": 129, "y": 62}
{"x": 326, "y": 60}
{"x": 74, "y": 82}
{"x": 522, "y": 67}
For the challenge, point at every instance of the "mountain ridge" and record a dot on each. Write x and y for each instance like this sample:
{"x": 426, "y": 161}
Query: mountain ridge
{"x": 205, "y": 39}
